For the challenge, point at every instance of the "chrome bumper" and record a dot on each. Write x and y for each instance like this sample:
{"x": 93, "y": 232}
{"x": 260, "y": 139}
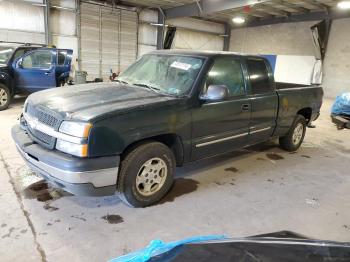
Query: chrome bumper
{"x": 74, "y": 175}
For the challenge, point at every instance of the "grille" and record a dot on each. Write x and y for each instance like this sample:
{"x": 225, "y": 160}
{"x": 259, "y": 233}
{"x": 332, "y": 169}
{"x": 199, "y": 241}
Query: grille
{"x": 42, "y": 138}
{"x": 46, "y": 117}
{"x": 43, "y": 116}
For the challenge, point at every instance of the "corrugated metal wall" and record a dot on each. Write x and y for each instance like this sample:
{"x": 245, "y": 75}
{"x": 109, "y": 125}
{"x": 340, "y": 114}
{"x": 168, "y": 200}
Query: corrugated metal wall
{"x": 108, "y": 40}
{"x": 21, "y": 22}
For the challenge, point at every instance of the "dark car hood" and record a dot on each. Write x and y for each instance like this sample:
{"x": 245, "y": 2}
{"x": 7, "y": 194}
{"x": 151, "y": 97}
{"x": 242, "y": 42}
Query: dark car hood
{"x": 91, "y": 101}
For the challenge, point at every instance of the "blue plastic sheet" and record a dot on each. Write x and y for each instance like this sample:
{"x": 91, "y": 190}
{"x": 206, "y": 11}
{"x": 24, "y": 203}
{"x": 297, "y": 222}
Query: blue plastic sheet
{"x": 341, "y": 105}
{"x": 157, "y": 247}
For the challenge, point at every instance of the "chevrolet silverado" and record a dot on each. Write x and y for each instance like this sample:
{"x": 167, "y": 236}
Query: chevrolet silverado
{"x": 167, "y": 109}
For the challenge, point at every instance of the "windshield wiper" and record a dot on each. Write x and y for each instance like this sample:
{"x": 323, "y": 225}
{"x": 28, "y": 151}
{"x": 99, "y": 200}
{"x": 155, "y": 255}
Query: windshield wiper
{"x": 147, "y": 86}
{"x": 121, "y": 81}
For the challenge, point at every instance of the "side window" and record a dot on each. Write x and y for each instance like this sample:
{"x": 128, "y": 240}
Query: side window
{"x": 38, "y": 59}
{"x": 227, "y": 71}
{"x": 259, "y": 77}
{"x": 18, "y": 53}
{"x": 61, "y": 57}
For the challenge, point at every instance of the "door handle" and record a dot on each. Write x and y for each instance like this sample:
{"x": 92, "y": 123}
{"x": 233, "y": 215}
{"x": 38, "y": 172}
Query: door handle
{"x": 245, "y": 107}
{"x": 47, "y": 73}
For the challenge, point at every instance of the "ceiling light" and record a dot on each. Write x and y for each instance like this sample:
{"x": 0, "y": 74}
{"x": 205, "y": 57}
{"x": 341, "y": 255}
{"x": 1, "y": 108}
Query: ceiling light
{"x": 238, "y": 20}
{"x": 344, "y": 5}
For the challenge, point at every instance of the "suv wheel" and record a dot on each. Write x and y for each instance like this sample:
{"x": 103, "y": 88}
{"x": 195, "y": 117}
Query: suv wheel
{"x": 146, "y": 174}
{"x": 5, "y": 97}
{"x": 295, "y": 136}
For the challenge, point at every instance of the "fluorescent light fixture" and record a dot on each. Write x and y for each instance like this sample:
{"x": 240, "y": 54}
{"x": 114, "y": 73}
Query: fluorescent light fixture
{"x": 238, "y": 20}
{"x": 344, "y": 5}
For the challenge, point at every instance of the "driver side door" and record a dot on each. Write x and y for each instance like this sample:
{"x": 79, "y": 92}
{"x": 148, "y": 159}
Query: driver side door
{"x": 35, "y": 71}
{"x": 222, "y": 126}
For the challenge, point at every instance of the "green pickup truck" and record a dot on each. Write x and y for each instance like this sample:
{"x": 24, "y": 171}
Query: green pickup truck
{"x": 167, "y": 109}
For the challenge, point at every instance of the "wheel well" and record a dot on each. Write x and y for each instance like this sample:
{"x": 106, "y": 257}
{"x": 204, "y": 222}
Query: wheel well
{"x": 305, "y": 112}
{"x": 3, "y": 82}
{"x": 172, "y": 141}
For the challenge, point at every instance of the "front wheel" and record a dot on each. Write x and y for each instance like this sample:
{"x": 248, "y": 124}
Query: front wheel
{"x": 146, "y": 174}
{"x": 5, "y": 97}
{"x": 295, "y": 136}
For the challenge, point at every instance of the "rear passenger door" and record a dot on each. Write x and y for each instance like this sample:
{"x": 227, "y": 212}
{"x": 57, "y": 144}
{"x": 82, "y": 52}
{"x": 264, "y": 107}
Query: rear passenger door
{"x": 222, "y": 126}
{"x": 263, "y": 99}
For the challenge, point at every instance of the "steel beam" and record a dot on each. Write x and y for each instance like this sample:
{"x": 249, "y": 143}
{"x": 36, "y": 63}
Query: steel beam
{"x": 207, "y": 7}
{"x": 313, "y": 16}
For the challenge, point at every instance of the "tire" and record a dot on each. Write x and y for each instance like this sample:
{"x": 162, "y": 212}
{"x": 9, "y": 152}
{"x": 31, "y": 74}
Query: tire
{"x": 146, "y": 174}
{"x": 295, "y": 137}
{"x": 5, "y": 97}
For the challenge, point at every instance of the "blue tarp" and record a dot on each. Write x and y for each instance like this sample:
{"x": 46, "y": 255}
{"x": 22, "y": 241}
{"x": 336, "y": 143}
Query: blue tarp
{"x": 341, "y": 105}
{"x": 157, "y": 247}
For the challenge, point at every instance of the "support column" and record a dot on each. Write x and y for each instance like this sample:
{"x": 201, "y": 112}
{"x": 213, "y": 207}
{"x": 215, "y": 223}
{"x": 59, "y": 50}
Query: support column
{"x": 160, "y": 29}
{"x": 227, "y": 37}
{"x": 48, "y": 35}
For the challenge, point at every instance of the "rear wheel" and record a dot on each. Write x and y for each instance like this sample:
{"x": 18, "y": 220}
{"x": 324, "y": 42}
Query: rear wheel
{"x": 146, "y": 174}
{"x": 5, "y": 97}
{"x": 295, "y": 136}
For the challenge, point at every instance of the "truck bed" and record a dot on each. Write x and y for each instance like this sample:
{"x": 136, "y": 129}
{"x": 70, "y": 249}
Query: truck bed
{"x": 291, "y": 99}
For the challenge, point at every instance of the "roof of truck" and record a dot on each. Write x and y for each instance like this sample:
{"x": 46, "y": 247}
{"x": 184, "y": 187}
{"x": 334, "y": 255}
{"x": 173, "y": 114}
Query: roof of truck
{"x": 199, "y": 53}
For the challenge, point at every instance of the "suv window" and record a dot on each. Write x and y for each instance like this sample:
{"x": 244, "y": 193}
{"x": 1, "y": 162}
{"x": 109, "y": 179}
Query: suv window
{"x": 61, "y": 57}
{"x": 38, "y": 59}
{"x": 227, "y": 71}
{"x": 258, "y": 75}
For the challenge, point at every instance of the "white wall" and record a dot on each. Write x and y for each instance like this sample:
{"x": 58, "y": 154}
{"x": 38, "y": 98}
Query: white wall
{"x": 337, "y": 60}
{"x": 197, "y": 34}
{"x": 280, "y": 39}
{"x": 295, "y": 39}
{"x": 190, "y": 33}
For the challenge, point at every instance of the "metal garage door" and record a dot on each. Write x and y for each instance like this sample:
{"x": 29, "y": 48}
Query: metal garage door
{"x": 189, "y": 39}
{"x": 108, "y": 40}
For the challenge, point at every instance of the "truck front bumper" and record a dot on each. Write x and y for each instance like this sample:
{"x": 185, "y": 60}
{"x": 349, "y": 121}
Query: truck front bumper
{"x": 79, "y": 176}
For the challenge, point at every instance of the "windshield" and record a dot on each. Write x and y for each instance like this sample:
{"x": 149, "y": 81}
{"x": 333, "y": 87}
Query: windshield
{"x": 5, "y": 54}
{"x": 169, "y": 74}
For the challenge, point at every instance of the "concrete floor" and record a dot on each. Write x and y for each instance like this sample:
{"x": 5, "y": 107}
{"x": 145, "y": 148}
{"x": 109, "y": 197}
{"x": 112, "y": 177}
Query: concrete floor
{"x": 258, "y": 190}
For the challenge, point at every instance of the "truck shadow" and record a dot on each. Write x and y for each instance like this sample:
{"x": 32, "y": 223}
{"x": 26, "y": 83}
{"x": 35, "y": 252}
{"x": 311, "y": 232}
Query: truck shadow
{"x": 184, "y": 182}
{"x": 18, "y": 101}
{"x": 220, "y": 160}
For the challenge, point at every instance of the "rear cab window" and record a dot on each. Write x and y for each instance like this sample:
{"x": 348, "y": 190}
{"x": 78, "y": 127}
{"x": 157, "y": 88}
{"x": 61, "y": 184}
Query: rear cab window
{"x": 258, "y": 76}
{"x": 227, "y": 71}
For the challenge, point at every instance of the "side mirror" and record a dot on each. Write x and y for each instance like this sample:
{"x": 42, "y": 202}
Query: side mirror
{"x": 20, "y": 63}
{"x": 215, "y": 93}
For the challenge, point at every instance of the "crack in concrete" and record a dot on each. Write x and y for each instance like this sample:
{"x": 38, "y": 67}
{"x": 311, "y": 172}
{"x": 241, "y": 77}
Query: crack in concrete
{"x": 25, "y": 212}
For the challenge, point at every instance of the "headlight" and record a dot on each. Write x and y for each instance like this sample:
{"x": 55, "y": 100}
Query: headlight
{"x": 71, "y": 148}
{"x": 78, "y": 129}
{"x": 73, "y": 131}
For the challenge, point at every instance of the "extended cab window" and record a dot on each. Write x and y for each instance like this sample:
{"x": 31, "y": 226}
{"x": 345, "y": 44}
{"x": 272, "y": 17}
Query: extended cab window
{"x": 38, "y": 59}
{"x": 258, "y": 76}
{"x": 227, "y": 71}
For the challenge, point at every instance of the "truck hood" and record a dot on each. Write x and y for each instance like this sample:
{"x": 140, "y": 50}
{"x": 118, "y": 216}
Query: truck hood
{"x": 90, "y": 101}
